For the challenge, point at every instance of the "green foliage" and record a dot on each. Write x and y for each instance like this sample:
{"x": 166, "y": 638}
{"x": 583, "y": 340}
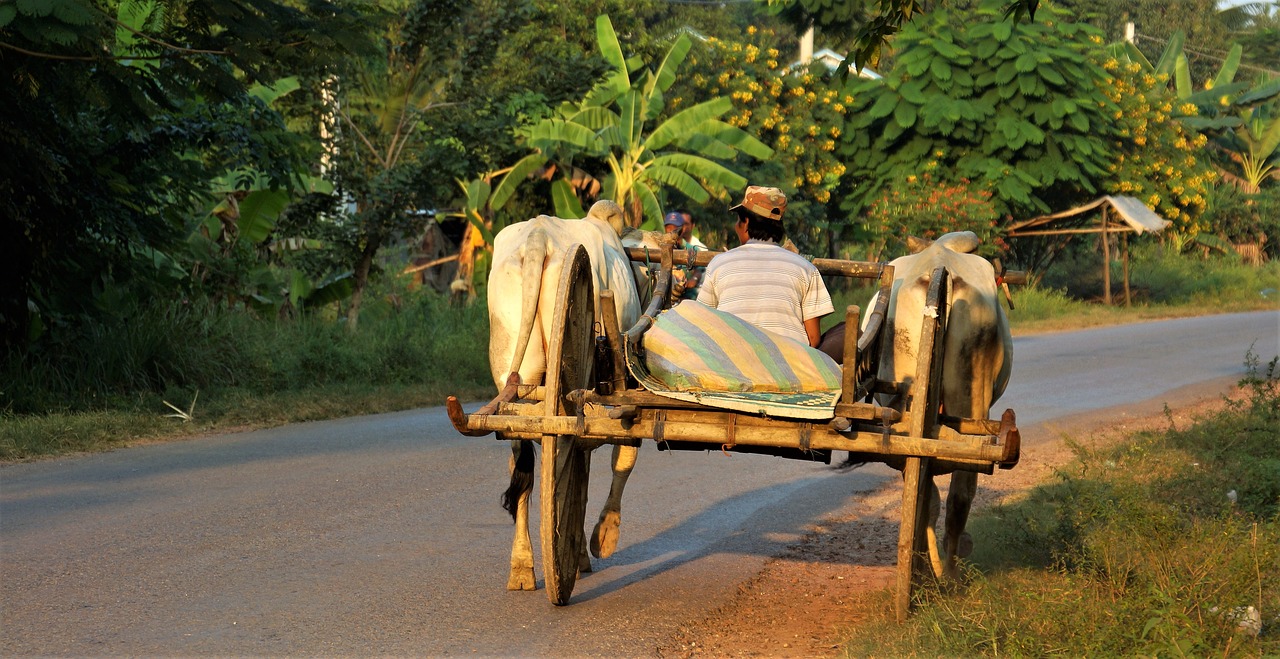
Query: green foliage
{"x": 796, "y": 112}
{"x": 1137, "y": 548}
{"x": 1238, "y": 217}
{"x": 1016, "y": 108}
{"x": 1157, "y": 158}
{"x": 873, "y": 24}
{"x": 615, "y": 135}
{"x": 925, "y": 208}
{"x": 111, "y": 136}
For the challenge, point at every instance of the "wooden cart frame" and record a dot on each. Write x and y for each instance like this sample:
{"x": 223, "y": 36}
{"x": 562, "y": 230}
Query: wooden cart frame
{"x": 573, "y": 412}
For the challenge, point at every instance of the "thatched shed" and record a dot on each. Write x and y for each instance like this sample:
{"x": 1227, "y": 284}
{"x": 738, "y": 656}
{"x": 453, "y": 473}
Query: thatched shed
{"x": 1106, "y": 215}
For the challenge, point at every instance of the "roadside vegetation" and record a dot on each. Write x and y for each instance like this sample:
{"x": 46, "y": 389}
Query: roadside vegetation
{"x": 1166, "y": 544}
{"x": 174, "y": 371}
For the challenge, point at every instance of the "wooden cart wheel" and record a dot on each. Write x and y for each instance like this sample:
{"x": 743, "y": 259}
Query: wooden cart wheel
{"x": 926, "y": 395}
{"x": 565, "y": 466}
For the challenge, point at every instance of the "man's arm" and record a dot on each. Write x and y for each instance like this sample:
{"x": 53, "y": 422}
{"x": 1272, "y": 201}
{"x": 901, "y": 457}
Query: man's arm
{"x": 815, "y": 334}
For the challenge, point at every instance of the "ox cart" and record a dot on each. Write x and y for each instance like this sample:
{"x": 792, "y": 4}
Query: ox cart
{"x": 589, "y": 398}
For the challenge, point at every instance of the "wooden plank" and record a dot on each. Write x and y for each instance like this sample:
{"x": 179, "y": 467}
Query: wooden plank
{"x": 713, "y": 428}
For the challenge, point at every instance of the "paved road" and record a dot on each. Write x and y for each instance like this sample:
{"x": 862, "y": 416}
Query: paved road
{"x": 382, "y": 534}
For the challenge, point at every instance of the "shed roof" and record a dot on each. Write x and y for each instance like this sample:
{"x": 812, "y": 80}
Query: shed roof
{"x": 1138, "y": 217}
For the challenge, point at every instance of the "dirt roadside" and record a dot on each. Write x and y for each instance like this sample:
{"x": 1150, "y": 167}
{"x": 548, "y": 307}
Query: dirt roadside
{"x": 801, "y": 602}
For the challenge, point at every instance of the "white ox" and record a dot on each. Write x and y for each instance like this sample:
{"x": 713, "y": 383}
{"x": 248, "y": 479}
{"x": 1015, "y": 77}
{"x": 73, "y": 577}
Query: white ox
{"x": 977, "y": 358}
{"x": 528, "y": 258}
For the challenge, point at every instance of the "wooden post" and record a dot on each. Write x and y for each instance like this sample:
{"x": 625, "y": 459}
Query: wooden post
{"x": 1124, "y": 243}
{"x": 1106, "y": 261}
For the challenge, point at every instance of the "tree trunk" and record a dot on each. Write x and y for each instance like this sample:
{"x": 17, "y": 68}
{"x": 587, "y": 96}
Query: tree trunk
{"x": 361, "y": 279}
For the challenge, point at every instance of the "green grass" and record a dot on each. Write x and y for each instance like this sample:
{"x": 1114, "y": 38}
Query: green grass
{"x": 1134, "y": 549}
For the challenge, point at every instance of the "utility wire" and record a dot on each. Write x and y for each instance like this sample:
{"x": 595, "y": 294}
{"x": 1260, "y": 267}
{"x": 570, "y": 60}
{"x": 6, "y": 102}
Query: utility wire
{"x": 1207, "y": 55}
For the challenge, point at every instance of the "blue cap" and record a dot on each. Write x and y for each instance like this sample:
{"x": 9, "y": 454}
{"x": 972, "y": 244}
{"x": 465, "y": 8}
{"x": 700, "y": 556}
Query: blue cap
{"x": 673, "y": 219}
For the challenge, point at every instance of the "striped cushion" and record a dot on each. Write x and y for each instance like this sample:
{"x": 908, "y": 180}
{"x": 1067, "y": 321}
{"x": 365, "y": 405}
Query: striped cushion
{"x": 693, "y": 347}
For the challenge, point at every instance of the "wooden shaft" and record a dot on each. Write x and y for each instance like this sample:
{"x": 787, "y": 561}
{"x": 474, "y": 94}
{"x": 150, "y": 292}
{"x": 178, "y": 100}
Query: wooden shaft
{"x": 612, "y": 334}
{"x": 849, "y": 374}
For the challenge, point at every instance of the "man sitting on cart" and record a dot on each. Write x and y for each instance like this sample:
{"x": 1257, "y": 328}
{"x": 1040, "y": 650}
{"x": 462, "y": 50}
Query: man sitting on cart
{"x": 685, "y": 279}
{"x": 761, "y": 282}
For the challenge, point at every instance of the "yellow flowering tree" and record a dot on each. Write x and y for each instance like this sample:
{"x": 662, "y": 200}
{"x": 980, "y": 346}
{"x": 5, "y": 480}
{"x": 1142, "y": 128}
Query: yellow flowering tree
{"x": 797, "y": 112}
{"x": 1158, "y": 158}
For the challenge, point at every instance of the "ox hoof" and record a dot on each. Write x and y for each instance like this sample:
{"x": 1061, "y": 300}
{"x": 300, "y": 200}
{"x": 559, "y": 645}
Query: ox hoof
{"x": 521, "y": 579}
{"x": 604, "y": 539}
{"x": 964, "y": 546}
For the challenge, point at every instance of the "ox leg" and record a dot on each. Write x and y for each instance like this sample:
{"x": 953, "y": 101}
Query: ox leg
{"x": 931, "y": 529}
{"x": 521, "y": 577}
{"x": 956, "y": 542}
{"x": 604, "y": 539}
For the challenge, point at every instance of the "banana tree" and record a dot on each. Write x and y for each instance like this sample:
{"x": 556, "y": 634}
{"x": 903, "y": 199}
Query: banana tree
{"x": 1255, "y": 146}
{"x": 615, "y": 136}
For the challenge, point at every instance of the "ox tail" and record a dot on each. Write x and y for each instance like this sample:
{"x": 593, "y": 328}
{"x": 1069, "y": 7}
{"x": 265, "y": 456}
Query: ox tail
{"x": 531, "y": 266}
{"x": 521, "y": 478}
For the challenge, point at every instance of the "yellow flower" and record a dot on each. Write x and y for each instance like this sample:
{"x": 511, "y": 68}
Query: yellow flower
{"x": 751, "y": 29}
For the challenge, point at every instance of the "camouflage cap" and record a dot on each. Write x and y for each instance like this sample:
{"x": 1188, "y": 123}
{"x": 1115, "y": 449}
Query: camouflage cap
{"x": 766, "y": 202}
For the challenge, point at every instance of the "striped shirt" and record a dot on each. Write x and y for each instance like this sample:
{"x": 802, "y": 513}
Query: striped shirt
{"x": 767, "y": 286}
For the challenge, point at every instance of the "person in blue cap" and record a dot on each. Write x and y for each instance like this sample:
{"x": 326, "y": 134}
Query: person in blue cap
{"x": 685, "y": 279}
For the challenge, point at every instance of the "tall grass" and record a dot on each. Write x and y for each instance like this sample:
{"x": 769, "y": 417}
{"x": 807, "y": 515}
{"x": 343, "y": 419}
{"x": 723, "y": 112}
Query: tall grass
{"x": 1155, "y": 546}
{"x": 111, "y": 383}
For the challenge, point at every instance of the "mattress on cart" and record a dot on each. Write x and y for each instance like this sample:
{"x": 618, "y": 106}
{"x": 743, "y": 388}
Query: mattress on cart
{"x": 698, "y": 354}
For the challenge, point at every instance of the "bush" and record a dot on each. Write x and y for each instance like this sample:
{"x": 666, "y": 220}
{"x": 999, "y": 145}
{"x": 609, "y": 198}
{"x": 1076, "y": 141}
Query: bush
{"x": 1238, "y": 218}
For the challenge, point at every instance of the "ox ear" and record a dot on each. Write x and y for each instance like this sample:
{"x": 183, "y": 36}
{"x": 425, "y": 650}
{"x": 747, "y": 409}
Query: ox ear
{"x": 916, "y": 245}
{"x": 609, "y": 212}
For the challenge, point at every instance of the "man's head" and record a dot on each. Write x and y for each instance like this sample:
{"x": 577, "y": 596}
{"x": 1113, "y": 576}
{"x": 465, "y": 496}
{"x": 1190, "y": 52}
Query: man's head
{"x": 687, "y": 232}
{"x": 760, "y": 214}
{"x": 674, "y": 222}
